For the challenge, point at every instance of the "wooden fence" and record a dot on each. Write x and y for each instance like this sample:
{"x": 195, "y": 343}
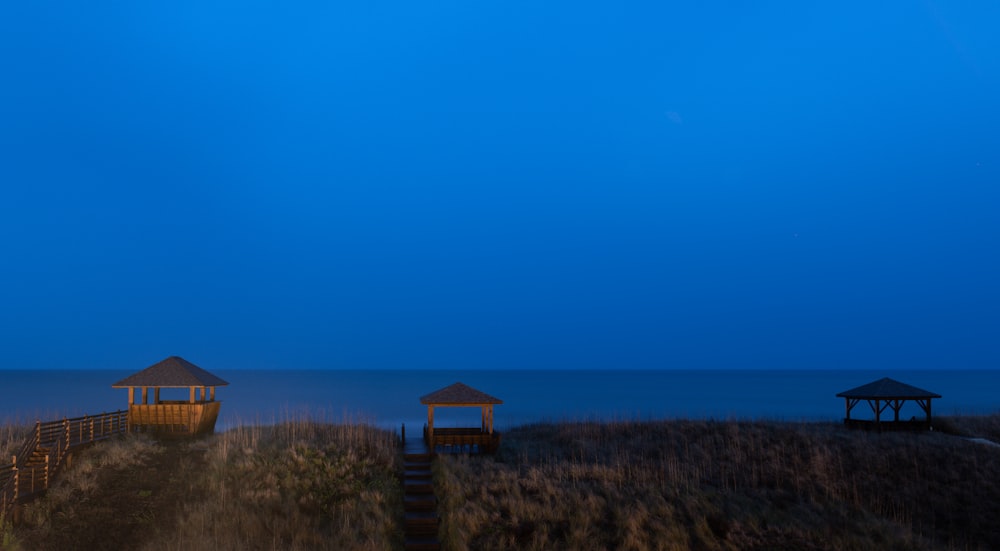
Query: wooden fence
{"x": 38, "y": 460}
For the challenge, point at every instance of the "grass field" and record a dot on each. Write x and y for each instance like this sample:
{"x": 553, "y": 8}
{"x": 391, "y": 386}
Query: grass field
{"x": 296, "y": 486}
{"x": 725, "y": 485}
{"x": 677, "y": 484}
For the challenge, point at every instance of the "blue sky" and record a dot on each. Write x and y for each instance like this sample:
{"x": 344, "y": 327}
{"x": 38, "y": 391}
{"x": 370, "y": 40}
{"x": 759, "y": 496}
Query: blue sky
{"x": 466, "y": 185}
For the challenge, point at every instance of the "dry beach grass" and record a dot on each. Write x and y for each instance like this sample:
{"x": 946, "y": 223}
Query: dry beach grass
{"x": 725, "y": 485}
{"x": 296, "y": 486}
{"x": 622, "y": 485}
{"x": 293, "y": 486}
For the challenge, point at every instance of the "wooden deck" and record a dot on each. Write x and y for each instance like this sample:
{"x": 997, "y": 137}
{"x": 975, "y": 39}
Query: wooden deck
{"x": 45, "y": 452}
{"x": 915, "y": 425}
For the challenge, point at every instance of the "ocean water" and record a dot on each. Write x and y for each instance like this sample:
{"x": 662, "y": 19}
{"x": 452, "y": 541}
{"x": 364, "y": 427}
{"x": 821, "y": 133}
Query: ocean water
{"x": 390, "y": 398}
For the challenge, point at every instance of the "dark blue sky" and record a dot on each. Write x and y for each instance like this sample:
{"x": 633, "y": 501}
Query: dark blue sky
{"x": 500, "y": 184}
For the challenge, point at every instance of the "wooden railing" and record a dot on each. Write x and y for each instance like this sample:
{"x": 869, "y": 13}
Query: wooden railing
{"x": 37, "y": 461}
{"x": 462, "y": 439}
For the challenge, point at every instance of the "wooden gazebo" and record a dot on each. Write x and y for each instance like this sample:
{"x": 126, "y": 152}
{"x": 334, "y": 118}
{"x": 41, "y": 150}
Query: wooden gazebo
{"x": 888, "y": 393}
{"x": 194, "y": 416}
{"x": 482, "y": 438}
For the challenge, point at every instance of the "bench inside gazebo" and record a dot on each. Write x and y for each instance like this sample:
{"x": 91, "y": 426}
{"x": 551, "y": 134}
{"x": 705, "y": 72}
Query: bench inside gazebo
{"x": 194, "y": 415}
{"x": 885, "y": 394}
{"x": 470, "y": 439}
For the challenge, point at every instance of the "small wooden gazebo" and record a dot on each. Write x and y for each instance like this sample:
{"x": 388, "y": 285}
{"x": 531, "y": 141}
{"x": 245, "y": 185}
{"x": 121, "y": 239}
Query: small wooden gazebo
{"x": 888, "y": 393}
{"x": 482, "y": 438}
{"x": 194, "y": 416}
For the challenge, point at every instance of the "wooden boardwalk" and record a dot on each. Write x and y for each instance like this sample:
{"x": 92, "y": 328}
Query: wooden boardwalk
{"x": 46, "y": 451}
{"x": 419, "y": 501}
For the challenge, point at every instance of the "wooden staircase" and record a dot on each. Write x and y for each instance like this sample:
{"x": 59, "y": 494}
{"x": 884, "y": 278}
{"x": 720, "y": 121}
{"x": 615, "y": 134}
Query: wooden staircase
{"x": 36, "y": 472}
{"x": 419, "y": 501}
{"x": 47, "y": 449}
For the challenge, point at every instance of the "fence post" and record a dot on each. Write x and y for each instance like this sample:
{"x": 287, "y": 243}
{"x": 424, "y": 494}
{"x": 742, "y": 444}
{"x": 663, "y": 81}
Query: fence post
{"x": 46, "y": 472}
{"x": 17, "y": 477}
{"x": 66, "y": 429}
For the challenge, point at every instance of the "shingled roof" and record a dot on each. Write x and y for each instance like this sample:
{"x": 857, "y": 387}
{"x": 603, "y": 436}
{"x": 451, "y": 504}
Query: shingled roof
{"x": 459, "y": 394}
{"x": 172, "y": 372}
{"x": 887, "y": 388}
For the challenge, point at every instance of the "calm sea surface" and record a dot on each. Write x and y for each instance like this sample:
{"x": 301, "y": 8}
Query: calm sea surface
{"x": 389, "y": 398}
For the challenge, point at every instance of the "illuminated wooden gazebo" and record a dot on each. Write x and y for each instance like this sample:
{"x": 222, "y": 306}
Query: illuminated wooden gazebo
{"x": 888, "y": 393}
{"x": 193, "y": 416}
{"x": 482, "y": 438}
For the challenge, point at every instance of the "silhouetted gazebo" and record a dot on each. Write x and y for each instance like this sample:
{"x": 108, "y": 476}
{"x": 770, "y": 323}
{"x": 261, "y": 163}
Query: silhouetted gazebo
{"x": 482, "y": 438}
{"x": 888, "y": 393}
{"x": 196, "y": 415}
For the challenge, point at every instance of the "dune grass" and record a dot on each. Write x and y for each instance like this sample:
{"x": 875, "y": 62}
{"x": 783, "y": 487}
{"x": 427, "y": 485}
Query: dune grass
{"x": 53, "y": 521}
{"x": 299, "y": 485}
{"x": 12, "y": 437}
{"x": 723, "y": 485}
{"x": 703, "y": 485}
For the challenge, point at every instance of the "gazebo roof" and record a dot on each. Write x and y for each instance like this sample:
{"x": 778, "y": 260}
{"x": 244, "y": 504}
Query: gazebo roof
{"x": 459, "y": 394}
{"x": 172, "y": 372}
{"x": 887, "y": 388}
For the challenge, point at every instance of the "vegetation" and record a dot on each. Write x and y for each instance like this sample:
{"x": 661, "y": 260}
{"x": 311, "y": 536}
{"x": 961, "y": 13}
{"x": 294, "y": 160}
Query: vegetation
{"x": 12, "y": 437}
{"x": 704, "y": 485}
{"x": 297, "y": 485}
{"x": 724, "y": 485}
{"x": 294, "y": 486}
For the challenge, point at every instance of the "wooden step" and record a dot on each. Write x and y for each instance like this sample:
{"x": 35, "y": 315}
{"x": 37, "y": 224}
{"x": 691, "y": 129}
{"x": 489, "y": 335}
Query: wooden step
{"x": 422, "y": 531}
{"x": 419, "y": 502}
{"x": 422, "y": 517}
{"x": 422, "y": 544}
{"x": 40, "y": 452}
{"x": 418, "y": 474}
{"x": 417, "y": 487}
{"x": 417, "y": 457}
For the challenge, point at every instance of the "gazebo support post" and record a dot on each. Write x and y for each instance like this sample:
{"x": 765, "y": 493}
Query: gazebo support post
{"x": 430, "y": 424}
{"x": 926, "y": 406}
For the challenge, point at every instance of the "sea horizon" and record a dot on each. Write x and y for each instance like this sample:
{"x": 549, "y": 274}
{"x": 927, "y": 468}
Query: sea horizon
{"x": 390, "y": 397}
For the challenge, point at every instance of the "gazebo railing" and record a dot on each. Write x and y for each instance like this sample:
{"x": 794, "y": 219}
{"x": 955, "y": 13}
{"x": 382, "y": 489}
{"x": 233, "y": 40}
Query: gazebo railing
{"x": 462, "y": 439}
